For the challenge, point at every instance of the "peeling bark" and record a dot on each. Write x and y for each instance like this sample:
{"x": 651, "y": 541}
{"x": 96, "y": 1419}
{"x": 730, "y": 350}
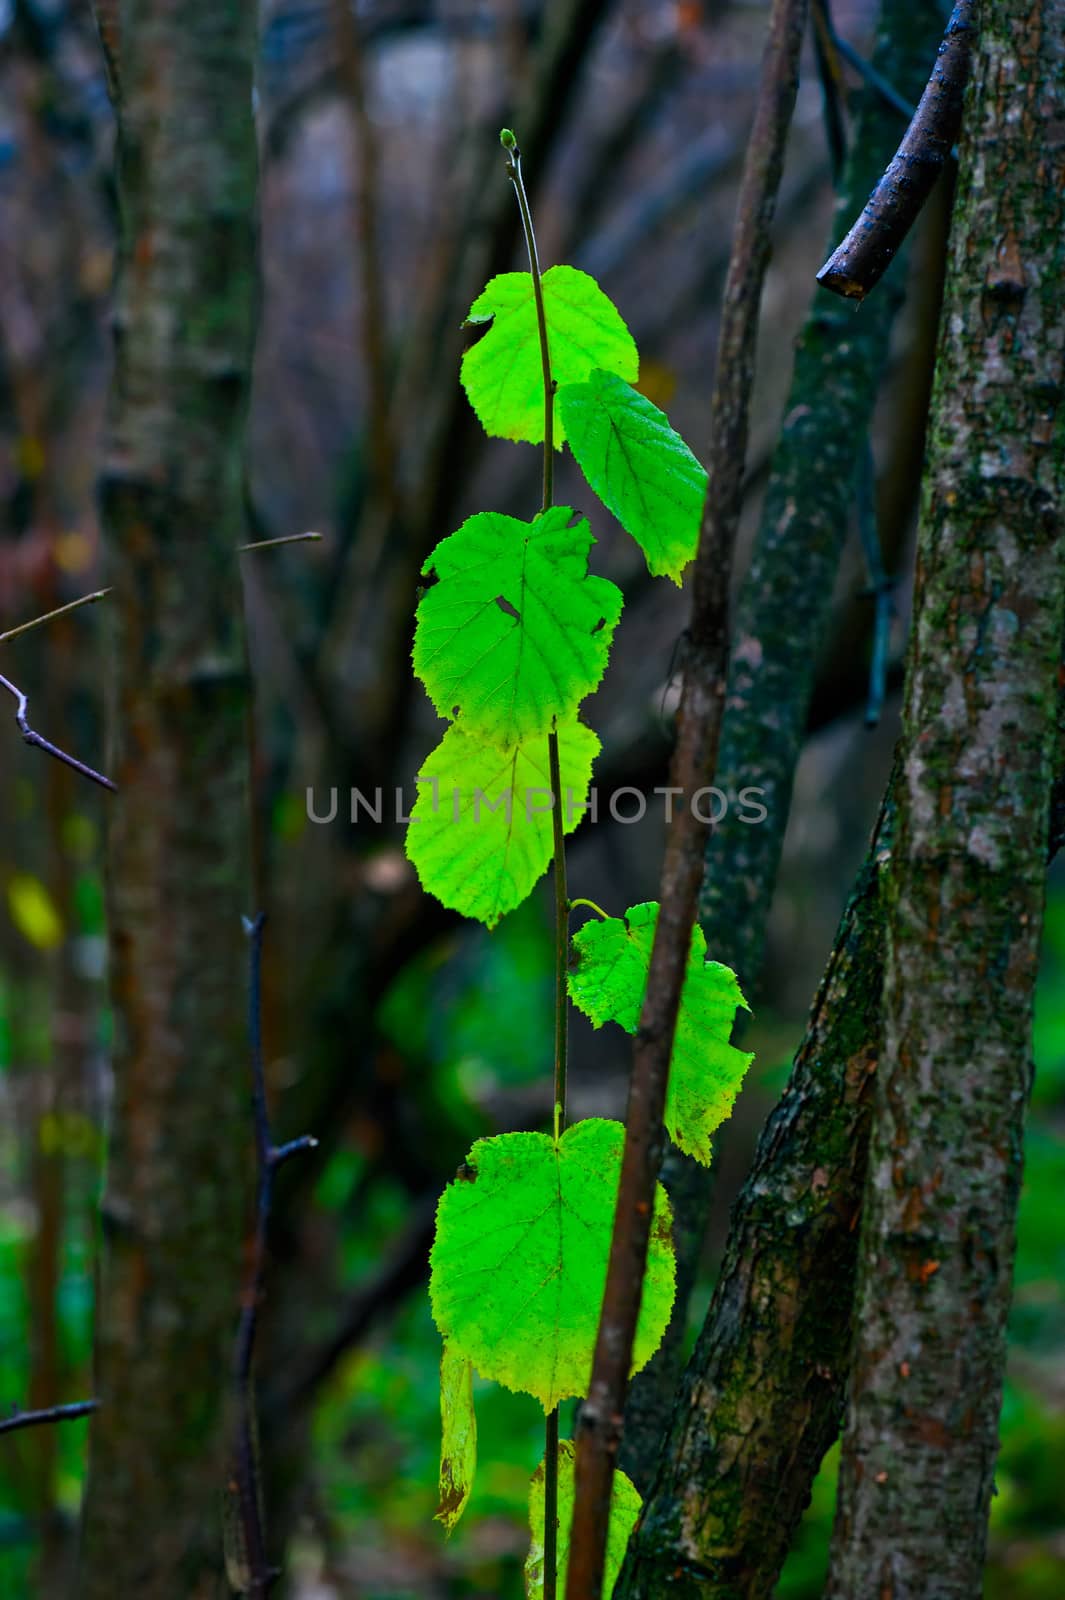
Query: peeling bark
{"x": 966, "y": 886}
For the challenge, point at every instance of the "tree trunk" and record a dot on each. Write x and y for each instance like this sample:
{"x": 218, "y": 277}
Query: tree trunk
{"x": 783, "y": 612}
{"x": 760, "y": 1400}
{"x": 178, "y": 848}
{"x": 966, "y": 884}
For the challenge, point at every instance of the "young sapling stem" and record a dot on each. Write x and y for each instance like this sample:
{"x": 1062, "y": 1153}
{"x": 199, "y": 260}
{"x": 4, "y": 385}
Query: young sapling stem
{"x": 513, "y": 159}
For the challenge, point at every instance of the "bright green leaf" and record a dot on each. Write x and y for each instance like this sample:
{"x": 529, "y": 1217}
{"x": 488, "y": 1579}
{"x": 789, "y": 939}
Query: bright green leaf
{"x": 625, "y": 1506}
{"x": 458, "y": 1442}
{"x": 480, "y": 833}
{"x": 639, "y": 467}
{"x": 518, "y": 1266}
{"x": 33, "y": 911}
{"x": 607, "y": 980}
{"x": 515, "y": 632}
{"x": 502, "y": 373}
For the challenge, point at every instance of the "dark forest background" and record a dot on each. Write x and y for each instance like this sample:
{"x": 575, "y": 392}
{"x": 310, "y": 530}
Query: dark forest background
{"x": 396, "y": 1034}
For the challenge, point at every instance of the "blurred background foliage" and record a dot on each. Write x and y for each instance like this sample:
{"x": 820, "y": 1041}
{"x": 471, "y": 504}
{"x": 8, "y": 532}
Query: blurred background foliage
{"x": 395, "y": 1034}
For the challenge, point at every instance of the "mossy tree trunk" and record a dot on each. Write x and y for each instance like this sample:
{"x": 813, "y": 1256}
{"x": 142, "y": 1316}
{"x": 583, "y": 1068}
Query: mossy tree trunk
{"x": 178, "y": 877}
{"x": 966, "y": 885}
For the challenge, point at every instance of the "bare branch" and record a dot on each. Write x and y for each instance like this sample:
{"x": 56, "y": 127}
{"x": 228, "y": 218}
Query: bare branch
{"x": 106, "y": 14}
{"x": 286, "y": 538}
{"x": 694, "y": 762}
{"x": 253, "y": 1574}
{"x": 859, "y": 263}
{"x": 50, "y": 616}
{"x": 32, "y": 737}
{"x": 37, "y": 1419}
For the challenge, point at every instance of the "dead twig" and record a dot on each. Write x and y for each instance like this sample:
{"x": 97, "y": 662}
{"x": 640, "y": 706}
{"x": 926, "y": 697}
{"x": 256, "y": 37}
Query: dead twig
{"x": 37, "y": 1419}
{"x": 858, "y": 264}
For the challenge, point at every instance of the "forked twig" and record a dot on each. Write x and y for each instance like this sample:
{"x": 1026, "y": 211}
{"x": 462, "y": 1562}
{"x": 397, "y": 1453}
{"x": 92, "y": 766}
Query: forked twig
{"x": 30, "y": 735}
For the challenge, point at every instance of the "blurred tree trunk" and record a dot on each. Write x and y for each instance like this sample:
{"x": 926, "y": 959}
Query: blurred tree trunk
{"x": 966, "y": 886}
{"x": 178, "y": 875}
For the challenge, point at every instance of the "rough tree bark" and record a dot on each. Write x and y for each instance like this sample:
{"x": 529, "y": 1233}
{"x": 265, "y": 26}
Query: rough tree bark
{"x": 760, "y": 1400}
{"x": 783, "y": 612}
{"x": 966, "y": 885}
{"x": 178, "y": 851}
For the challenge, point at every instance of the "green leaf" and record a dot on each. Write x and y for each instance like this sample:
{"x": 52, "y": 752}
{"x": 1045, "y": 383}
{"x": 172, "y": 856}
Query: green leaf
{"x": 480, "y": 833}
{"x": 607, "y": 981}
{"x": 515, "y": 632}
{"x": 458, "y": 1443}
{"x": 639, "y": 467}
{"x": 502, "y": 373}
{"x": 518, "y": 1266}
{"x": 625, "y": 1506}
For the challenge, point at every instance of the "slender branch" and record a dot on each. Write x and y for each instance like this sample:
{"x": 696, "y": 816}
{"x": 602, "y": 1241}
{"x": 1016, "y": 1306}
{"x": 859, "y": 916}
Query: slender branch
{"x": 881, "y": 587}
{"x": 401, "y": 1269}
{"x": 32, "y": 737}
{"x": 257, "y": 1574}
{"x": 858, "y": 264}
{"x": 287, "y": 538}
{"x": 513, "y": 155}
{"x": 833, "y": 88}
{"x": 106, "y": 16}
{"x": 876, "y": 80}
{"x": 36, "y": 1419}
{"x": 374, "y": 320}
{"x": 695, "y": 759}
{"x": 21, "y": 716}
{"x": 50, "y": 616}
{"x": 513, "y": 160}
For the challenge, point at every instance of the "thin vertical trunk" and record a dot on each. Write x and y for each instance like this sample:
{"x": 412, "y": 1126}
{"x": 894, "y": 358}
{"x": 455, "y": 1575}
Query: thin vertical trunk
{"x": 966, "y": 884}
{"x": 178, "y": 876}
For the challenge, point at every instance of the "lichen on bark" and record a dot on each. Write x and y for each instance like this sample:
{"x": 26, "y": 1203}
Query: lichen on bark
{"x": 966, "y": 886}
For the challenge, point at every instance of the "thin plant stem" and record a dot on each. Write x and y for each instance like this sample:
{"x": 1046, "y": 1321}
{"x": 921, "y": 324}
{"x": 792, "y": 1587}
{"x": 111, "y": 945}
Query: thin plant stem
{"x": 513, "y": 155}
{"x": 260, "y": 1575}
{"x": 562, "y": 907}
{"x": 286, "y": 538}
{"x": 50, "y": 616}
{"x": 881, "y": 587}
{"x": 591, "y": 907}
{"x": 37, "y": 1419}
{"x": 31, "y": 736}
